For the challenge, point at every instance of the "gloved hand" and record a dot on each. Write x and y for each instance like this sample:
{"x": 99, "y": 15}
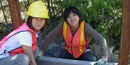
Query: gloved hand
{"x": 102, "y": 61}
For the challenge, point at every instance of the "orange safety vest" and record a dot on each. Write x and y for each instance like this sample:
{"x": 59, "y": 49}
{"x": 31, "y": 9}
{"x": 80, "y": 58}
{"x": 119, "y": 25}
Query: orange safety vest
{"x": 76, "y": 44}
{"x": 20, "y": 50}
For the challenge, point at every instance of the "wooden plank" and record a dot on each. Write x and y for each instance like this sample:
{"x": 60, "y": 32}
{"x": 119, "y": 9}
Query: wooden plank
{"x": 15, "y": 13}
{"x": 125, "y": 35}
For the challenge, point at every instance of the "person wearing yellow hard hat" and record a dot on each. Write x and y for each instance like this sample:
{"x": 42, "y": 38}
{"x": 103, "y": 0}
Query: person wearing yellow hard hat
{"x": 18, "y": 46}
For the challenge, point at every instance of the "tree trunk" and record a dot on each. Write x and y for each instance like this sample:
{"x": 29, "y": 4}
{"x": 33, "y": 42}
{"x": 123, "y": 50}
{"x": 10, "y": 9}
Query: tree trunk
{"x": 125, "y": 36}
{"x": 15, "y": 13}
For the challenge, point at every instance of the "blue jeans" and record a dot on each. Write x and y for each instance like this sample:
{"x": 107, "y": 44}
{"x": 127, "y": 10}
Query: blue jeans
{"x": 19, "y": 59}
{"x": 59, "y": 52}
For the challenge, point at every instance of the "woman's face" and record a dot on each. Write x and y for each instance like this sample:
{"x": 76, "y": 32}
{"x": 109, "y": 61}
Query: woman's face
{"x": 38, "y": 23}
{"x": 73, "y": 19}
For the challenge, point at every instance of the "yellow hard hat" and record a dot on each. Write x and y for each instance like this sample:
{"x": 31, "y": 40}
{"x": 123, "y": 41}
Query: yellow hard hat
{"x": 38, "y": 9}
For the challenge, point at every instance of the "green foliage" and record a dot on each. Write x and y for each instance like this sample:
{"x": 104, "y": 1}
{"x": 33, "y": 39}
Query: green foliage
{"x": 103, "y": 15}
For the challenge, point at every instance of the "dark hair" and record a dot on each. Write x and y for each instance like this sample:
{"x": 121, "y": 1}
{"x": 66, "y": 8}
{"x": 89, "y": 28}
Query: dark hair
{"x": 73, "y": 9}
{"x": 29, "y": 23}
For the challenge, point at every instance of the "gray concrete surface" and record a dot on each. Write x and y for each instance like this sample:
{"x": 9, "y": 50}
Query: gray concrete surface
{"x": 59, "y": 61}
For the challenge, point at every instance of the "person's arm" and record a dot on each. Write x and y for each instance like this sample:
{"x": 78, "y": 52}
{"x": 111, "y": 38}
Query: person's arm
{"x": 25, "y": 40}
{"x": 51, "y": 36}
{"x": 28, "y": 51}
{"x": 99, "y": 38}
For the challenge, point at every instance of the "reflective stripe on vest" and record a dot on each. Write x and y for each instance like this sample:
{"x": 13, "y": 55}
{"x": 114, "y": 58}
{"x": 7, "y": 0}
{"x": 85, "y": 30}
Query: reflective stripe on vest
{"x": 76, "y": 44}
{"x": 20, "y": 50}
